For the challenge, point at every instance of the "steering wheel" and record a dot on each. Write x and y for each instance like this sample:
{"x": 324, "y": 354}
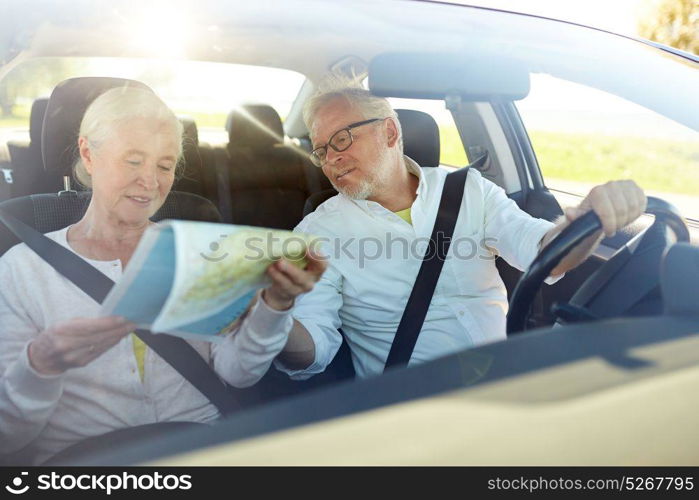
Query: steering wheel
{"x": 666, "y": 215}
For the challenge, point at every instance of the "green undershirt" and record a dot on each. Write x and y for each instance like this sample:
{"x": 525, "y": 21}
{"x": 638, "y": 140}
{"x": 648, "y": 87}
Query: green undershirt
{"x": 139, "y": 350}
{"x": 405, "y": 215}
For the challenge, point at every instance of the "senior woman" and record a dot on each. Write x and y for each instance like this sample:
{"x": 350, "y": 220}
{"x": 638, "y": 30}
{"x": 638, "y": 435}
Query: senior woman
{"x": 68, "y": 374}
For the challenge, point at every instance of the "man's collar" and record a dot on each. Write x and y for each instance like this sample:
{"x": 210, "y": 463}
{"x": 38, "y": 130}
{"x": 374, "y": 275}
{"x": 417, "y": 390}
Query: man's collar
{"x": 415, "y": 169}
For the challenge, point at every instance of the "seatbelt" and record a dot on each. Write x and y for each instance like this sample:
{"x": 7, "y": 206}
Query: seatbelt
{"x": 223, "y": 184}
{"x": 174, "y": 350}
{"x": 426, "y": 281}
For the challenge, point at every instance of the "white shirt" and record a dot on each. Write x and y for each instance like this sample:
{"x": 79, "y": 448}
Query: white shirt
{"x": 49, "y": 413}
{"x": 364, "y": 292}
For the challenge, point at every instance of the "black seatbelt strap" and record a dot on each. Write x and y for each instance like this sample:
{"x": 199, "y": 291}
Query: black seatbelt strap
{"x": 223, "y": 183}
{"x": 174, "y": 350}
{"x": 426, "y": 281}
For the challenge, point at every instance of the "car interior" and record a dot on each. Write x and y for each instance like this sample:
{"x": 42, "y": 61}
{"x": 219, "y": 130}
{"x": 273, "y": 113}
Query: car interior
{"x": 262, "y": 176}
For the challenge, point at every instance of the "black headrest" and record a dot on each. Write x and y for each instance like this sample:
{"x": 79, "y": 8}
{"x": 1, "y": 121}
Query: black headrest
{"x": 678, "y": 279}
{"x": 190, "y": 133}
{"x": 66, "y": 107}
{"x": 254, "y": 126}
{"x": 51, "y": 211}
{"x": 36, "y": 119}
{"x": 420, "y": 137}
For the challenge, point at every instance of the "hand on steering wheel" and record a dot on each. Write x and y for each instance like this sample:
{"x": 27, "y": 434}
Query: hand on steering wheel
{"x": 569, "y": 238}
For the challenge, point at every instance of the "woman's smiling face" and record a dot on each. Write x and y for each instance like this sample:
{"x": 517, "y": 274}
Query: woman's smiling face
{"x": 133, "y": 170}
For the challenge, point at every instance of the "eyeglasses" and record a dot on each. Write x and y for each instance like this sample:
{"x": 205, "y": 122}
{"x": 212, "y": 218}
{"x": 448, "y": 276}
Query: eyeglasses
{"x": 339, "y": 141}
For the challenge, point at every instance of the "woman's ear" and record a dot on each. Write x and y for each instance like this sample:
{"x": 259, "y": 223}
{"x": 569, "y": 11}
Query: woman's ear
{"x": 391, "y": 132}
{"x": 85, "y": 153}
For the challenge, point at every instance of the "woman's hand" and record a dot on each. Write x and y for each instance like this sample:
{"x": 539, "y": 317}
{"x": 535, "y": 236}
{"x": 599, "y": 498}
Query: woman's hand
{"x": 288, "y": 281}
{"x": 76, "y": 343}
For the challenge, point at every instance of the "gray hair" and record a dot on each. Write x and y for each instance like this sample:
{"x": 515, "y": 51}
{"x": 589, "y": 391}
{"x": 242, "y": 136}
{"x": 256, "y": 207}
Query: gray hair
{"x": 116, "y": 106}
{"x": 350, "y": 89}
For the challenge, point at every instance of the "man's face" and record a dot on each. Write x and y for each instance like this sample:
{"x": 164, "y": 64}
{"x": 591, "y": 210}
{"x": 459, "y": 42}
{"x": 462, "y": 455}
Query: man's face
{"x": 362, "y": 170}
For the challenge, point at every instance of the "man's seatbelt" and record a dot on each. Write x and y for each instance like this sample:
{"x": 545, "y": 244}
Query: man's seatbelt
{"x": 426, "y": 281}
{"x": 174, "y": 350}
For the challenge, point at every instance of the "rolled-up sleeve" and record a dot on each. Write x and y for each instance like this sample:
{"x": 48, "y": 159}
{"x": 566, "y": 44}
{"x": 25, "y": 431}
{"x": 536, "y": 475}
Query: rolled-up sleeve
{"x": 318, "y": 312}
{"x": 246, "y": 354}
{"x": 515, "y": 234}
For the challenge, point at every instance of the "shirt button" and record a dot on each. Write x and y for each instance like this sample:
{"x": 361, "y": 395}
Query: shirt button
{"x": 461, "y": 313}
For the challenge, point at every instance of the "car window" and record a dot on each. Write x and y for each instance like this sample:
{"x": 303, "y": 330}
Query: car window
{"x": 205, "y": 91}
{"x": 452, "y": 151}
{"x": 583, "y": 136}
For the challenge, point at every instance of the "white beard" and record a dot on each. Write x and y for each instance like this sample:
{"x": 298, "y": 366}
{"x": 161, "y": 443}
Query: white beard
{"x": 375, "y": 181}
{"x": 362, "y": 191}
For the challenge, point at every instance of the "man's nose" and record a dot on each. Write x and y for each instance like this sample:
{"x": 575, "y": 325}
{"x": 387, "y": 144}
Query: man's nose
{"x": 332, "y": 156}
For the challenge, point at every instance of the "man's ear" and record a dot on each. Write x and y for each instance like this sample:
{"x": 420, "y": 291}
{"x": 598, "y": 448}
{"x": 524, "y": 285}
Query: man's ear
{"x": 85, "y": 154}
{"x": 391, "y": 132}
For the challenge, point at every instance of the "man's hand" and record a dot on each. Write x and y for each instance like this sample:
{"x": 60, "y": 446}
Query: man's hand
{"x": 616, "y": 203}
{"x": 288, "y": 281}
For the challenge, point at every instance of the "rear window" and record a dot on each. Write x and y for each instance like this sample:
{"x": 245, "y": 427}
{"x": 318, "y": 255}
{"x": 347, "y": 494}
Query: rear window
{"x": 451, "y": 148}
{"x": 205, "y": 91}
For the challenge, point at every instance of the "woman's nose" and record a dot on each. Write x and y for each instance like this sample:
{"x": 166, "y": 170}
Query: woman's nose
{"x": 149, "y": 177}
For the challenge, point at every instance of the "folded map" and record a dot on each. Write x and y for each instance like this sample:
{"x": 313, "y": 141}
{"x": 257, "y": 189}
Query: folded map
{"x": 194, "y": 279}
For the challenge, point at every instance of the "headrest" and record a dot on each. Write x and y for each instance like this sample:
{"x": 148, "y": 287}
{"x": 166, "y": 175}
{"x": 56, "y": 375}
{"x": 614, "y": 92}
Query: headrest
{"x": 66, "y": 107}
{"x": 679, "y": 276}
{"x": 190, "y": 134}
{"x": 254, "y": 126}
{"x": 420, "y": 137}
{"x": 36, "y": 119}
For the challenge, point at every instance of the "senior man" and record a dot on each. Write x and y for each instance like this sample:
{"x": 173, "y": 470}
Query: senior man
{"x": 388, "y": 200}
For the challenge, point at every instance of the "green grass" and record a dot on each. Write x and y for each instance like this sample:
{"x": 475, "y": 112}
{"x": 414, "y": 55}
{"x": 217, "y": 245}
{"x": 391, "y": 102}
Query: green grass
{"x": 19, "y": 118}
{"x": 451, "y": 149}
{"x": 655, "y": 164}
{"x": 214, "y": 120}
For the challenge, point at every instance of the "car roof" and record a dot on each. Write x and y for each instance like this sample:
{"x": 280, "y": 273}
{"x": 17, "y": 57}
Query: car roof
{"x": 316, "y": 37}
{"x": 267, "y": 34}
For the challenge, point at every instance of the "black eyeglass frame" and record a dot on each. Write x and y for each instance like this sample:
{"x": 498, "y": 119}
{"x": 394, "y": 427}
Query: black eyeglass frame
{"x": 314, "y": 156}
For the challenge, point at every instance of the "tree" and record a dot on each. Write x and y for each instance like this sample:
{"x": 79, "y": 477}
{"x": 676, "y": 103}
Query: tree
{"x": 674, "y": 23}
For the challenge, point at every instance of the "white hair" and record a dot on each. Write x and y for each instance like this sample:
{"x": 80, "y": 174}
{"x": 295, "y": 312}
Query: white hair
{"x": 337, "y": 87}
{"x": 114, "y": 107}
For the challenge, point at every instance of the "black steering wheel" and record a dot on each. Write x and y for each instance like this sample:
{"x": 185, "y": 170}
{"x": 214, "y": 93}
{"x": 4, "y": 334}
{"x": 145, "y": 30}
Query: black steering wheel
{"x": 666, "y": 215}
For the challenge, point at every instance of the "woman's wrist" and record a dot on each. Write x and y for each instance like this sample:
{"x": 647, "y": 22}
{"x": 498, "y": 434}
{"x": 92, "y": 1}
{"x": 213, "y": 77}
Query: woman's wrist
{"x": 38, "y": 367}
